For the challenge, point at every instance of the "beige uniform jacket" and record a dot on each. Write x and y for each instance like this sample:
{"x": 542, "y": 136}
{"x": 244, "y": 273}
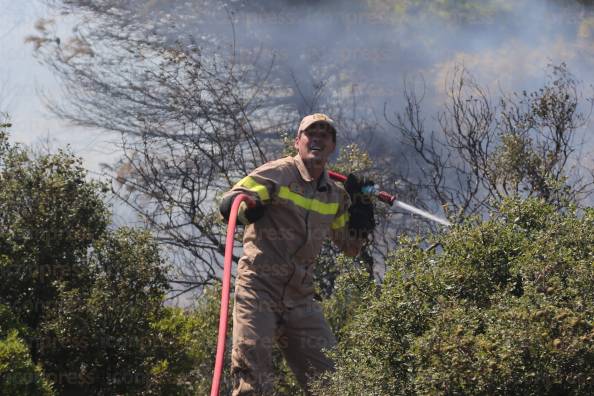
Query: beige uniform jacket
{"x": 281, "y": 247}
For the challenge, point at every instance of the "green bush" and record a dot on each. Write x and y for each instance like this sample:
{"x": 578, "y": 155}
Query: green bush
{"x": 49, "y": 216}
{"x": 352, "y": 288}
{"x": 77, "y": 300}
{"x": 501, "y": 307}
{"x": 18, "y": 375}
{"x": 189, "y": 339}
{"x": 186, "y": 365}
{"x": 99, "y": 338}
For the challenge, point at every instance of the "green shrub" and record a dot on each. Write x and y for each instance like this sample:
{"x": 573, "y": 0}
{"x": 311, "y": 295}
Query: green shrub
{"x": 18, "y": 375}
{"x": 99, "y": 338}
{"x": 189, "y": 338}
{"x": 49, "y": 216}
{"x": 501, "y": 307}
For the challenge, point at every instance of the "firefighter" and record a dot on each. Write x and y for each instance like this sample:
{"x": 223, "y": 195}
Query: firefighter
{"x": 297, "y": 207}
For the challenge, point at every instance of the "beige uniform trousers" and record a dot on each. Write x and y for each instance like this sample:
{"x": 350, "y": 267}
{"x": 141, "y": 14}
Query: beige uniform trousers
{"x": 301, "y": 332}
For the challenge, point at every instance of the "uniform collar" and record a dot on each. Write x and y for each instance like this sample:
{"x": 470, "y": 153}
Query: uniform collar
{"x": 323, "y": 183}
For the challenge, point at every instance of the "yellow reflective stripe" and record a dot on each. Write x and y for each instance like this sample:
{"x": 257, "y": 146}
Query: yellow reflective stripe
{"x": 340, "y": 221}
{"x": 308, "y": 203}
{"x": 260, "y": 189}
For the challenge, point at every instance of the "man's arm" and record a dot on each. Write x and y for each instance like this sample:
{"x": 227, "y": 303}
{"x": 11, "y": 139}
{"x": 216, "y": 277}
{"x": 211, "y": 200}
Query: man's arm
{"x": 261, "y": 185}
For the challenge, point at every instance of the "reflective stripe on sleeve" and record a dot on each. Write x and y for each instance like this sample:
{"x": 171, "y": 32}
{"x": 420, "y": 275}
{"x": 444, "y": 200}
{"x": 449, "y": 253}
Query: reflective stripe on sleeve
{"x": 340, "y": 221}
{"x": 308, "y": 203}
{"x": 260, "y": 189}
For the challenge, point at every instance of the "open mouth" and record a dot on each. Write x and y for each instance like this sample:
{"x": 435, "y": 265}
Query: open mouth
{"x": 315, "y": 148}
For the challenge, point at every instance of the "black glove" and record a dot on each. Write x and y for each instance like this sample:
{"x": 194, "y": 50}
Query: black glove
{"x": 361, "y": 211}
{"x": 245, "y": 215}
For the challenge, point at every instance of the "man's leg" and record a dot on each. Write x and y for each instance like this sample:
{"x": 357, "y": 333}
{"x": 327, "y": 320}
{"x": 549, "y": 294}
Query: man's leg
{"x": 254, "y": 325}
{"x": 306, "y": 333}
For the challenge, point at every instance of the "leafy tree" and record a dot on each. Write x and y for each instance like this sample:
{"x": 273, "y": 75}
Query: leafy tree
{"x": 99, "y": 337}
{"x": 80, "y": 304}
{"x": 499, "y": 307}
{"x": 49, "y": 215}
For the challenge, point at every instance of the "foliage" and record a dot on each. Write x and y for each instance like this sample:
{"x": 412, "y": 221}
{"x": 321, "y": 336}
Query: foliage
{"x": 500, "y": 307}
{"x": 454, "y": 12}
{"x": 49, "y": 214}
{"x": 350, "y": 290}
{"x": 101, "y": 333}
{"x": 80, "y": 304}
{"x": 329, "y": 264}
{"x": 19, "y": 376}
{"x": 190, "y": 356}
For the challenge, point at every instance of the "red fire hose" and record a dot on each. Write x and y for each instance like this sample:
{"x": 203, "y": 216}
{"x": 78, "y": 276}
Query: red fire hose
{"x": 216, "y": 379}
{"x": 382, "y": 195}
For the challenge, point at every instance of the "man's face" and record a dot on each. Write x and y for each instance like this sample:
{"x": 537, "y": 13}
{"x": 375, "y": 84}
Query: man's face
{"x": 316, "y": 143}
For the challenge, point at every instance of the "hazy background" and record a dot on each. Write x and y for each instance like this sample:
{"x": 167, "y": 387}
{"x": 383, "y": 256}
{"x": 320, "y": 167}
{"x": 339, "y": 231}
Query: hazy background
{"x": 23, "y": 80}
{"x": 506, "y": 45}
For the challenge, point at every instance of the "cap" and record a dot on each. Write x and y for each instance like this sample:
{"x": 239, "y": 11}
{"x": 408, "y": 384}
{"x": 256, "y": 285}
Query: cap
{"x": 316, "y": 117}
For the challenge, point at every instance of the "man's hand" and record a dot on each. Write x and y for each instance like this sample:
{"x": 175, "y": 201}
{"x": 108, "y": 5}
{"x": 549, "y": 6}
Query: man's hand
{"x": 245, "y": 215}
{"x": 361, "y": 211}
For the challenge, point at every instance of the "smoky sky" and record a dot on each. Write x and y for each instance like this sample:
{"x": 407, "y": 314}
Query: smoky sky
{"x": 376, "y": 45}
{"x": 340, "y": 54}
{"x": 333, "y": 54}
